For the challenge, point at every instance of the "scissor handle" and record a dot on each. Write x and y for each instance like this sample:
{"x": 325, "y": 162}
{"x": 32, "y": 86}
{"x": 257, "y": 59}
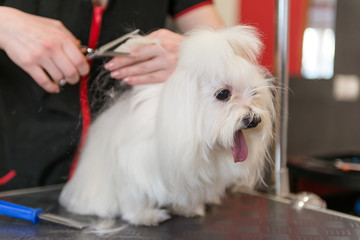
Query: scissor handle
{"x": 19, "y": 211}
{"x": 86, "y": 50}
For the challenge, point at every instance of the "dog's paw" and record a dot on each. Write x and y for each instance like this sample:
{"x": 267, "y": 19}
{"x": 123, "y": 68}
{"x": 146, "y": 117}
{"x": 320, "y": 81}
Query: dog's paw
{"x": 147, "y": 217}
{"x": 237, "y": 186}
{"x": 216, "y": 201}
{"x": 198, "y": 211}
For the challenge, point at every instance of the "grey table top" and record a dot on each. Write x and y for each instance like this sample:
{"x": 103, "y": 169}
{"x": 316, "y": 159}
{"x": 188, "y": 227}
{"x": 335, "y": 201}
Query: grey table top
{"x": 245, "y": 215}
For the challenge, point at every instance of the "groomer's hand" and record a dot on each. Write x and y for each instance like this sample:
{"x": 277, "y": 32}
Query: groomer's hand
{"x": 42, "y": 47}
{"x": 148, "y": 64}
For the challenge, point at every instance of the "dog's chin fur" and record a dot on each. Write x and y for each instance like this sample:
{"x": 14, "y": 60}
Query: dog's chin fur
{"x": 165, "y": 149}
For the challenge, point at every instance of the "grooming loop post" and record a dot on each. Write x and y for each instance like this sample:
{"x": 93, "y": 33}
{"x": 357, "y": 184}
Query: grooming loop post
{"x": 281, "y": 177}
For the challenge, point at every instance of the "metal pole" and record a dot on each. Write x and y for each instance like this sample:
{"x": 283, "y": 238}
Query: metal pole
{"x": 281, "y": 64}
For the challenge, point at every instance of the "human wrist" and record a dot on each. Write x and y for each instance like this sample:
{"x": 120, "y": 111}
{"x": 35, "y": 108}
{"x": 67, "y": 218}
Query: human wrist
{"x": 4, "y": 11}
{"x": 6, "y": 16}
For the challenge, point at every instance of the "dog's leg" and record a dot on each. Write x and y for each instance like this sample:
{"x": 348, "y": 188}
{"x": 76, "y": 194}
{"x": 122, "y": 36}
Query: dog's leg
{"x": 188, "y": 211}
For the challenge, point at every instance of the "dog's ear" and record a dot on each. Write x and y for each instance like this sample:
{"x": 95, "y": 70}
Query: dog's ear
{"x": 245, "y": 42}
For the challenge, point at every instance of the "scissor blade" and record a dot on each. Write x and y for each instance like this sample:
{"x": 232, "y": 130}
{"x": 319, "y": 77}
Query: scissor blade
{"x": 106, "y": 54}
{"x": 113, "y": 43}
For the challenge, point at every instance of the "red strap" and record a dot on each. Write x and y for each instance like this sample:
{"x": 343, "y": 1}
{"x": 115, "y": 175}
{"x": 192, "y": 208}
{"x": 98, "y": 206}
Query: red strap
{"x": 5, "y": 179}
{"x": 96, "y": 26}
{"x": 84, "y": 98}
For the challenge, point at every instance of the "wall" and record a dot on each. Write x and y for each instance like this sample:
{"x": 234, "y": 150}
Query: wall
{"x": 318, "y": 124}
{"x": 262, "y": 14}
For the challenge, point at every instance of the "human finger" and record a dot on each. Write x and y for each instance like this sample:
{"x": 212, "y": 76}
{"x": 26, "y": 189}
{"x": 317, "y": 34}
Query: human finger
{"x": 77, "y": 58}
{"x": 139, "y": 68}
{"x": 150, "y": 78}
{"x": 52, "y": 70}
{"x": 67, "y": 68}
{"x": 42, "y": 79}
{"x": 140, "y": 54}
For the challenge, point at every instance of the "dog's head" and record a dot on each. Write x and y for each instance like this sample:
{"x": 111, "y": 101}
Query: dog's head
{"x": 225, "y": 99}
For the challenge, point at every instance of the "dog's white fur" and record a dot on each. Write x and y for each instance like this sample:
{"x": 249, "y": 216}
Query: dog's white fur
{"x": 166, "y": 148}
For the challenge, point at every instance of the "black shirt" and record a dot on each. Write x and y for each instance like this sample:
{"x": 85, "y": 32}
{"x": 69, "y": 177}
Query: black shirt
{"x": 40, "y": 132}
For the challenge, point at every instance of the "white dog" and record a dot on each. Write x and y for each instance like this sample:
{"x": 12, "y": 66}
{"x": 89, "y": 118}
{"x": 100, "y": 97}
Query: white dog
{"x": 173, "y": 147}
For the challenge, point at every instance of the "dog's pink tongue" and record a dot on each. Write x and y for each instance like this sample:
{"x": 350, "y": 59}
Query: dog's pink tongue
{"x": 240, "y": 150}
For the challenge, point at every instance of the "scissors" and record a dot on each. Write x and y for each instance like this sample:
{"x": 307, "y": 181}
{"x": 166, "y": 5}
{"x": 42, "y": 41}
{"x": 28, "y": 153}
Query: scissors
{"x": 104, "y": 51}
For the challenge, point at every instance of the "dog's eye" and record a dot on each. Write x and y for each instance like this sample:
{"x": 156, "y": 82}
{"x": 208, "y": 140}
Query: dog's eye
{"x": 223, "y": 95}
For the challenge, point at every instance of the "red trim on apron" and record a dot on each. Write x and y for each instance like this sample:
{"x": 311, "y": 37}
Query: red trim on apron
{"x": 5, "y": 179}
{"x": 192, "y": 8}
{"x": 84, "y": 98}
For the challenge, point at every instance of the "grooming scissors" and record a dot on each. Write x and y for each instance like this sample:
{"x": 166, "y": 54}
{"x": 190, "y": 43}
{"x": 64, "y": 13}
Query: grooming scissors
{"x": 104, "y": 51}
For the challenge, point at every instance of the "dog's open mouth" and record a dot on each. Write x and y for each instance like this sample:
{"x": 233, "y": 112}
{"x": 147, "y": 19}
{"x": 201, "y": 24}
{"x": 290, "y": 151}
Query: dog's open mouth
{"x": 240, "y": 150}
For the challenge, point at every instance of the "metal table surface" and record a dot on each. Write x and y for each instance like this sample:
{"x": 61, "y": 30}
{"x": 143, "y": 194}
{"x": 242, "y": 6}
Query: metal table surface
{"x": 244, "y": 215}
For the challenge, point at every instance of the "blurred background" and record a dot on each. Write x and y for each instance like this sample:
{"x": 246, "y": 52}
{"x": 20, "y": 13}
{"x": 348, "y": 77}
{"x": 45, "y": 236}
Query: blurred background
{"x": 324, "y": 107}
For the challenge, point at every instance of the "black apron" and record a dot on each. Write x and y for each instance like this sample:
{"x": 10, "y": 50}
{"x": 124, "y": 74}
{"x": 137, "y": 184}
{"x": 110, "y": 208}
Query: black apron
{"x": 40, "y": 132}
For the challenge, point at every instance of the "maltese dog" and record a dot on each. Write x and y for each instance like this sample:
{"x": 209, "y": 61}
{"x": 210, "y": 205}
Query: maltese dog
{"x": 171, "y": 148}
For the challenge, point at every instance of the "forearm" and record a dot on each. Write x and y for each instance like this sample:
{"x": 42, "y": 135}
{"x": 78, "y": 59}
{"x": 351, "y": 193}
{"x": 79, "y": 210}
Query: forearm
{"x": 206, "y": 16}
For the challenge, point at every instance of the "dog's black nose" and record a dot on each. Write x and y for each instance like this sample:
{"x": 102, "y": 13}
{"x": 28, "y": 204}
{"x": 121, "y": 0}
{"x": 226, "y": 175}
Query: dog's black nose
{"x": 251, "y": 121}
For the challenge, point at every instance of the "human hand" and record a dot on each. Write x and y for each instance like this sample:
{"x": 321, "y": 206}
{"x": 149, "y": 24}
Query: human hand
{"x": 42, "y": 47}
{"x": 148, "y": 64}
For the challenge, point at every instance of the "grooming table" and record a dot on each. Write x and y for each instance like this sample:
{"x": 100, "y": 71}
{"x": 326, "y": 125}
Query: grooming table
{"x": 244, "y": 215}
